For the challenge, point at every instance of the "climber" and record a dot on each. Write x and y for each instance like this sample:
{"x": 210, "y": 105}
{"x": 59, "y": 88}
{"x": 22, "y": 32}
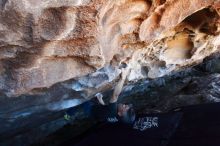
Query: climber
{"x": 112, "y": 112}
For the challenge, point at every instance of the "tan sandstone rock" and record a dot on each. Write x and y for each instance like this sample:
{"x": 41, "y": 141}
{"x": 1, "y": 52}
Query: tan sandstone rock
{"x": 46, "y": 42}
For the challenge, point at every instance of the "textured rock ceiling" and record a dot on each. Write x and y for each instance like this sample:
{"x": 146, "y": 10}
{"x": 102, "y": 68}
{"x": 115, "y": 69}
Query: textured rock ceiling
{"x": 44, "y": 42}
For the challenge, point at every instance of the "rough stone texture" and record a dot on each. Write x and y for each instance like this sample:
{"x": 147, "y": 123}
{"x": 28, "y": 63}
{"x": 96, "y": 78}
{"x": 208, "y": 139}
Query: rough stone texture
{"x": 197, "y": 85}
{"x": 47, "y": 42}
{"x": 56, "y": 54}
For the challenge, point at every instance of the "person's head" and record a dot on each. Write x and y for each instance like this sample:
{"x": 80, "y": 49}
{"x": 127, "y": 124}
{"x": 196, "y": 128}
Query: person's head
{"x": 126, "y": 113}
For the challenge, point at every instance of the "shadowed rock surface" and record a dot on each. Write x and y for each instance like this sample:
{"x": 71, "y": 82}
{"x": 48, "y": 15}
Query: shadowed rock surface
{"x": 190, "y": 86}
{"x": 193, "y": 86}
{"x": 58, "y": 54}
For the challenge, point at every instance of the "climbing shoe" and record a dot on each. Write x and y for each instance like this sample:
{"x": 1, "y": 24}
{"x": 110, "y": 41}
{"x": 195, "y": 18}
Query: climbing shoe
{"x": 67, "y": 117}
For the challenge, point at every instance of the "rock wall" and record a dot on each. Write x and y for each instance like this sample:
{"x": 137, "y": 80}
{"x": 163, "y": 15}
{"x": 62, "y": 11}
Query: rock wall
{"x": 57, "y": 54}
{"x": 47, "y": 42}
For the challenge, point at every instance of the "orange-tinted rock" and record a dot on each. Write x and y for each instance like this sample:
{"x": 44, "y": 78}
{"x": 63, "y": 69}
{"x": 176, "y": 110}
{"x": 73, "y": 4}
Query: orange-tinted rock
{"x": 168, "y": 16}
{"x": 46, "y": 42}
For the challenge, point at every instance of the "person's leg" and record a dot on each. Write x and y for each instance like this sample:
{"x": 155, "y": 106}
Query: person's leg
{"x": 71, "y": 111}
{"x": 87, "y": 108}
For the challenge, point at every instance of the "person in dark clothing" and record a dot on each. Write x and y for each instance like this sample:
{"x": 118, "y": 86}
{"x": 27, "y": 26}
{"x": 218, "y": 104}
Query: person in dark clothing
{"x": 112, "y": 112}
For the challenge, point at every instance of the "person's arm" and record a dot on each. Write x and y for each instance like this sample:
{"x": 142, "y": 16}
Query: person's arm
{"x": 99, "y": 97}
{"x": 119, "y": 86}
{"x": 101, "y": 101}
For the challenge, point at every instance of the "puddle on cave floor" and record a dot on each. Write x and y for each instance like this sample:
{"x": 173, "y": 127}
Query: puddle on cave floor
{"x": 192, "y": 86}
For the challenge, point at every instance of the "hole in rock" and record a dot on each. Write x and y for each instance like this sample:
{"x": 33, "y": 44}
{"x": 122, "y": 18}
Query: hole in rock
{"x": 179, "y": 47}
{"x": 191, "y": 33}
{"x": 203, "y": 20}
{"x": 144, "y": 70}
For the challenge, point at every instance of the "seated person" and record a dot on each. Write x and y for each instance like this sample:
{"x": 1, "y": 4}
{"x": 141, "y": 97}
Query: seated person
{"x": 112, "y": 112}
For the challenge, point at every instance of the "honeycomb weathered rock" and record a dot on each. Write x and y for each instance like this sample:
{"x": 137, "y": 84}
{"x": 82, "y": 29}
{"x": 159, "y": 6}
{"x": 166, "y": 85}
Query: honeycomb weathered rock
{"x": 47, "y": 42}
